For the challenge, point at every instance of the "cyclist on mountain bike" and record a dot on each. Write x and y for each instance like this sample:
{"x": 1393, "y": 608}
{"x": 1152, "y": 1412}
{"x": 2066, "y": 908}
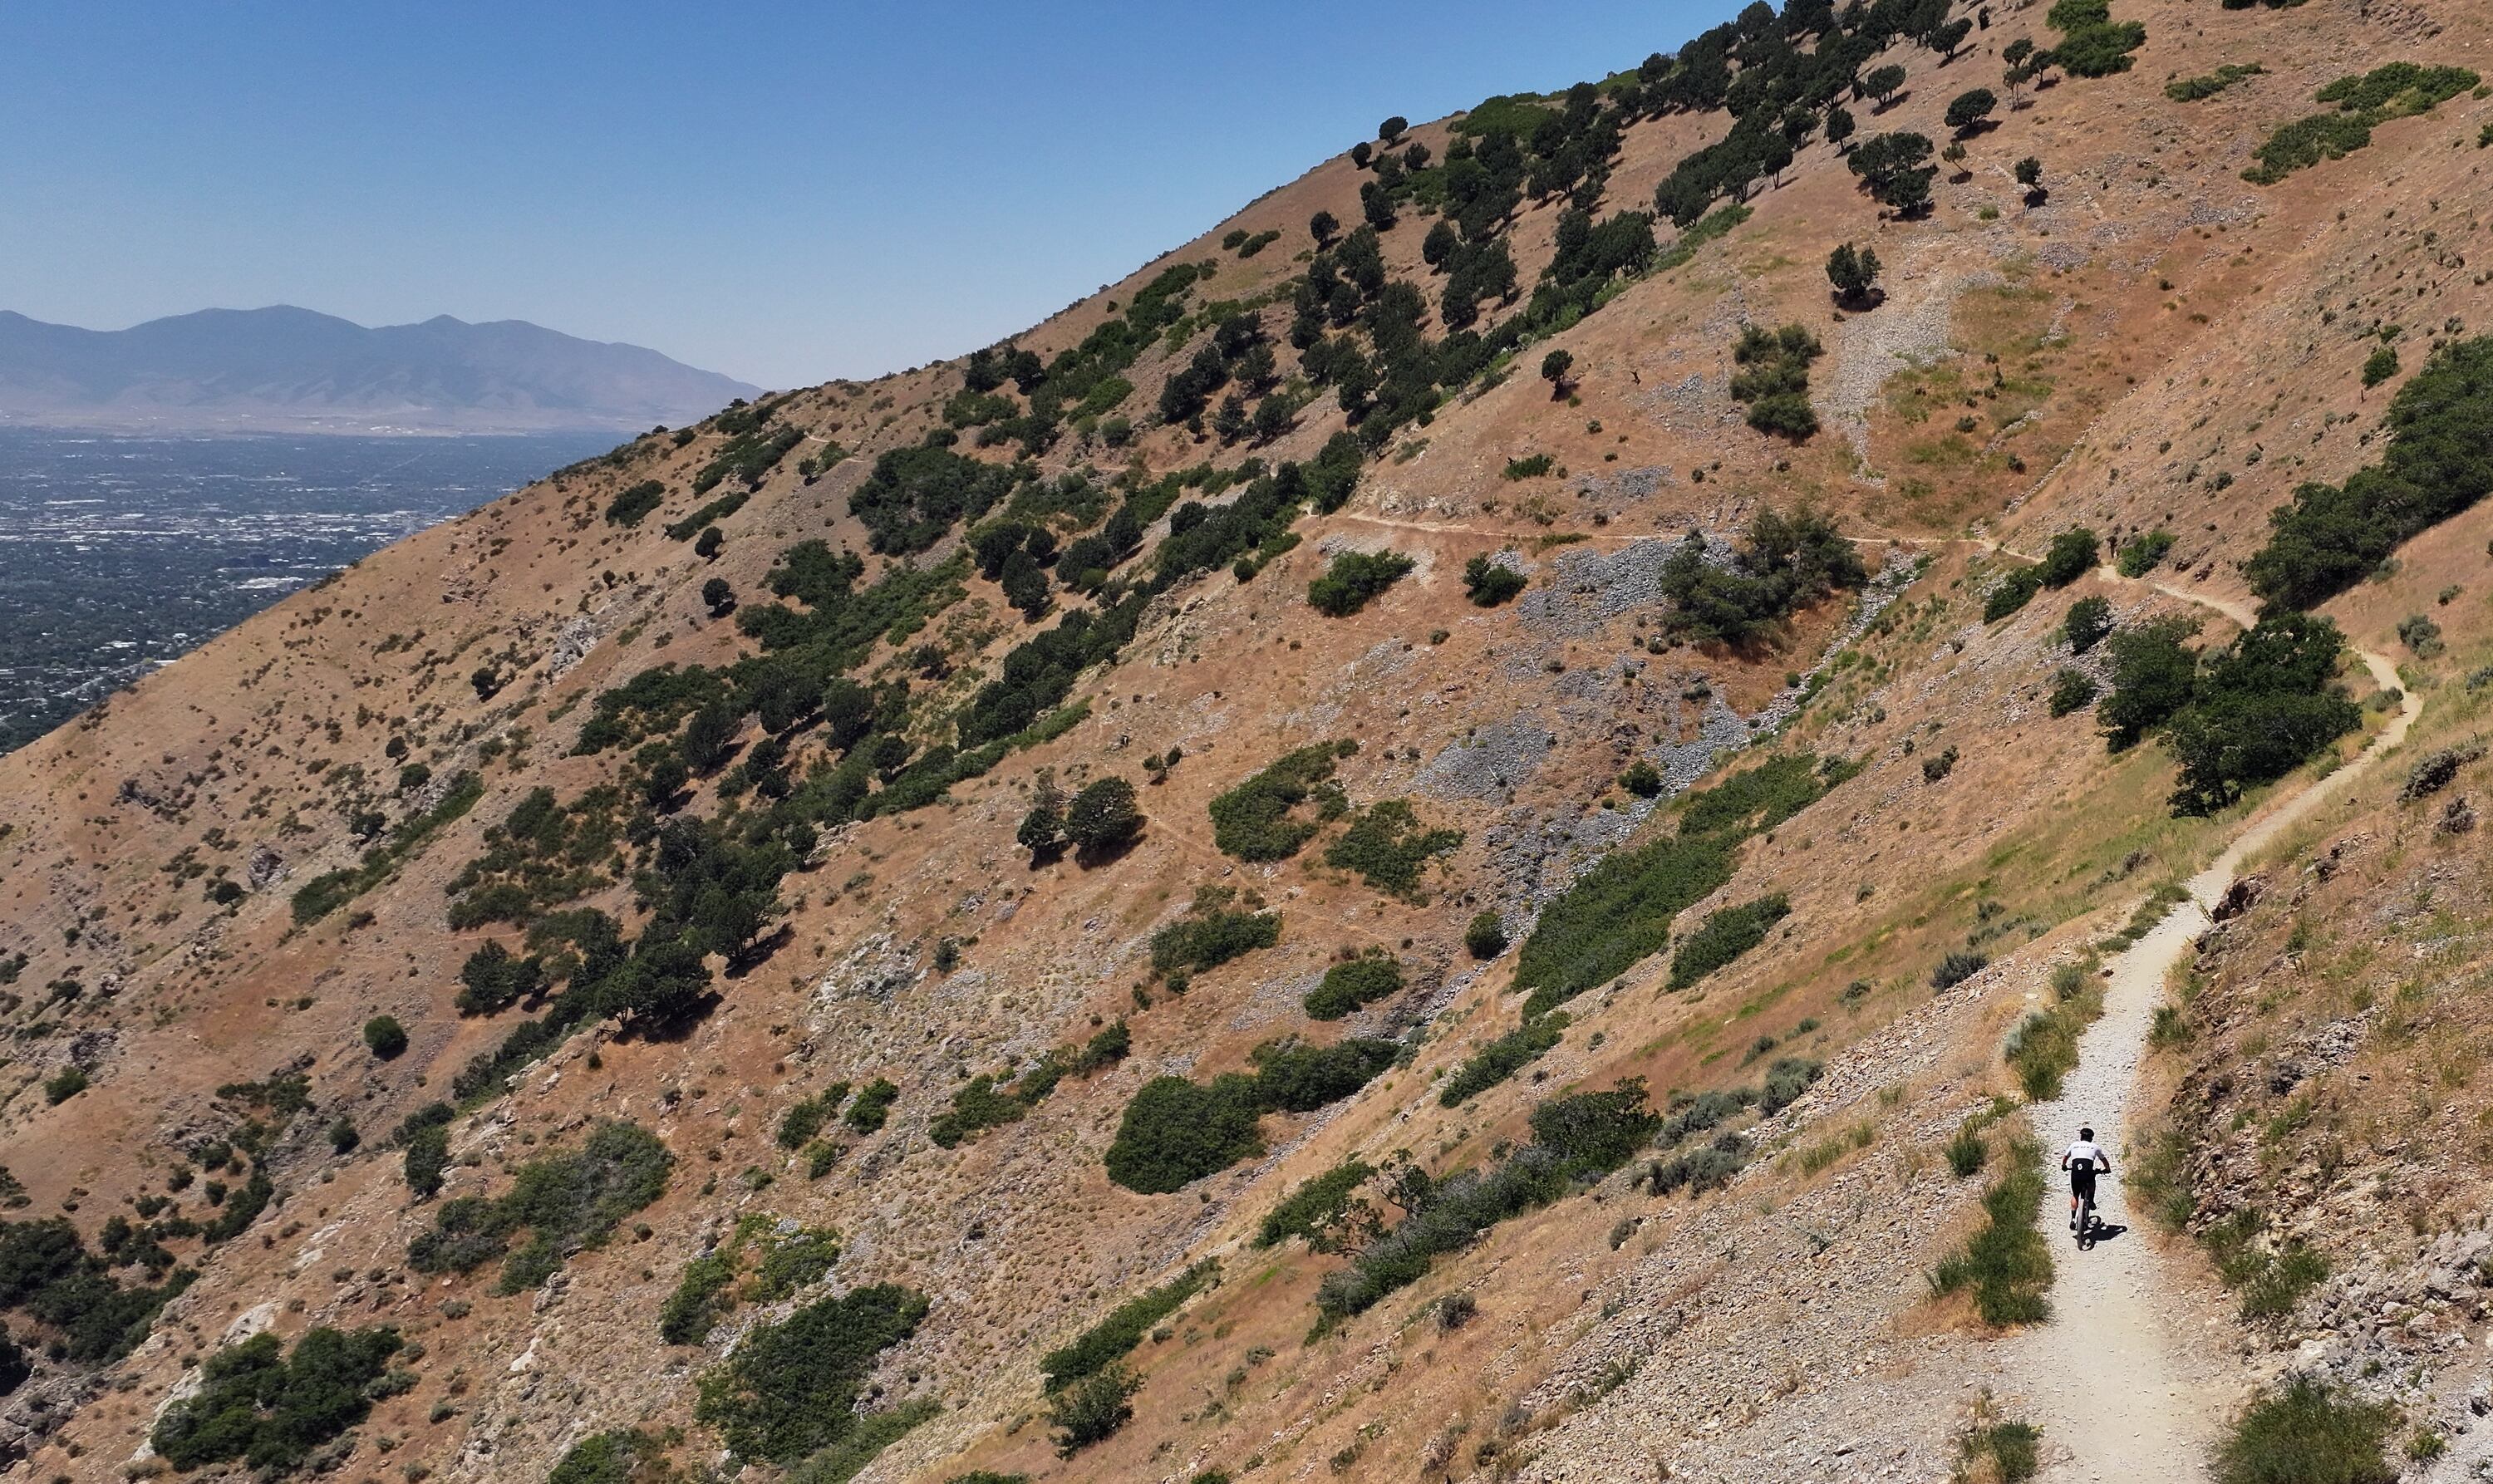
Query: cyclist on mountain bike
{"x": 2082, "y": 1160}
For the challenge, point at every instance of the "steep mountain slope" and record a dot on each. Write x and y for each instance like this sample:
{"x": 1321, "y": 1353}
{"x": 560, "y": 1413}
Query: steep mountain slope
{"x": 290, "y": 369}
{"x": 1618, "y": 978}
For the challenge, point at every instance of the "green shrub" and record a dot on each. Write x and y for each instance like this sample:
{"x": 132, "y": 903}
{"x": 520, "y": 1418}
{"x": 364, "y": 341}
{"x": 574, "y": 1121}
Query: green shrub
{"x": 1710, "y": 1165}
{"x": 875, "y": 1431}
{"x": 269, "y": 1409}
{"x": 1956, "y": 968}
{"x": 2072, "y": 689}
{"x": 2070, "y": 556}
{"x": 48, "y": 1274}
{"x": 702, "y": 521}
{"x": 64, "y": 1084}
{"x": 2422, "y": 637}
{"x": 633, "y": 506}
{"x": 2363, "y": 101}
{"x": 1255, "y": 821}
{"x": 331, "y": 890}
{"x": 1352, "y": 984}
{"x": 2308, "y": 1432}
{"x": 2332, "y": 536}
{"x": 1785, "y": 563}
{"x": 1485, "y": 937}
{"x": 2190, "y": 90}
{"x": 385, "y": 1037}
{"x": 1292, "y": 1076}
{"x": 1386, "y": 847}
{"x": 2016, "y": 587}
{"x": 805, "y": 1117}
{"x": 1355, "y": 580}
{"x": 1621, "y": 910}
{"x": 564, "y": 1203}
{"x": 1211, "y": 934}
{"x": 2086, "y": 622}
{"x": 984, "y": 1103}
{"x": 1109, "y": 1341}
{"x": 2380, "y": 365}
{"x": 714, "y": 1283}
{"x": 790, "y": 1389}
{"x": 615, "y": 1457}
{"x": 1175, "y": 1131}
{"x": 1326, "y": 1210}
{"x": 700, "y": 1300}
{"x": 873, "y": 1106}
{"x": 1641, "y": 778}
{"x": 1532, "y": 466}
{"x": 1724, "y": 935}
{"x": 2005, "y": 1262}
{"x": 2093, "y": 45}
{"x": 1503, "y": 1057}
{"x": 1489, "y": 583}
{"x": 1575, "y": 1140}
{"x": 1775, "y": 384}
{"x": 426, "y": 1137}
{"x": 2142, "y": 555}
{"x": 1093, "y": 1409}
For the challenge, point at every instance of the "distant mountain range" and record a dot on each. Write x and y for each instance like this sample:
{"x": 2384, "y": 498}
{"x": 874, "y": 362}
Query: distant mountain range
{"x": 291, "y": 369}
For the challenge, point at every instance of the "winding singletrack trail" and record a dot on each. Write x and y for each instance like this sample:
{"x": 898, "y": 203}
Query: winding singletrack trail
{"x": 2126, "y": 1377}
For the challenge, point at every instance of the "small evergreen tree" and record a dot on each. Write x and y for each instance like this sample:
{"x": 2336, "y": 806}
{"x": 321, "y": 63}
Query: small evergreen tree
{"x": 1854, "y": 273}
{"x": 385, "y": 1037}
{"x": 1555, "y": 368}
{"x": 1273, "y": 417}
{"x": 2029, "y": 174}
{"x": 1103, "y": 817}
{"x": 1321, "y": 226}
{"x": 1969, "y": 110}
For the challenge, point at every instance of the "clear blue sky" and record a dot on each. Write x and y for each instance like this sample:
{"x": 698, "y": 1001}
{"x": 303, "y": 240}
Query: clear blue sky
{"x": 784, "y": 192}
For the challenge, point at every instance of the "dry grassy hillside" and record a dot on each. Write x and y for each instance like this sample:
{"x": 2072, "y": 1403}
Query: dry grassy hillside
{"x": 775, "y": 1093}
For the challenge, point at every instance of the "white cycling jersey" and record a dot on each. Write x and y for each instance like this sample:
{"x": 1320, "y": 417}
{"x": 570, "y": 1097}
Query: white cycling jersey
{"x": 2087, "y": 1154}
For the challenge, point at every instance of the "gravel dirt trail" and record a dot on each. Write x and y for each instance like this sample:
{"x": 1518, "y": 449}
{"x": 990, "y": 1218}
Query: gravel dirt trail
{"x": 2131, "y": 1378}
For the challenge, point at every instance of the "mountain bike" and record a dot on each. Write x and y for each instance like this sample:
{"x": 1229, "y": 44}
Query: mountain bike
{"x": 2086, "y": 1228}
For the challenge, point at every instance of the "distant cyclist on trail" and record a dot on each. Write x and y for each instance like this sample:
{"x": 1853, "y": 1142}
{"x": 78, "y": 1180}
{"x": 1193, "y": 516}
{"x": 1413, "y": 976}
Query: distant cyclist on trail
{"x": 2082, "y": 1160}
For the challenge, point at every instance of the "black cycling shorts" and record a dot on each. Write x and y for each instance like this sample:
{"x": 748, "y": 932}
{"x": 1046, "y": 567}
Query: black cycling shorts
{"x": 2081, "y": 1182}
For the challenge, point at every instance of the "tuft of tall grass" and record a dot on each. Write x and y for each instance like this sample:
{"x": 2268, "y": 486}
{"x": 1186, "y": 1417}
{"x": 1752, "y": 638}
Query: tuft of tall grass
{"x": 2307, "y": 1430}
{"x": 2006, "y": 1264}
